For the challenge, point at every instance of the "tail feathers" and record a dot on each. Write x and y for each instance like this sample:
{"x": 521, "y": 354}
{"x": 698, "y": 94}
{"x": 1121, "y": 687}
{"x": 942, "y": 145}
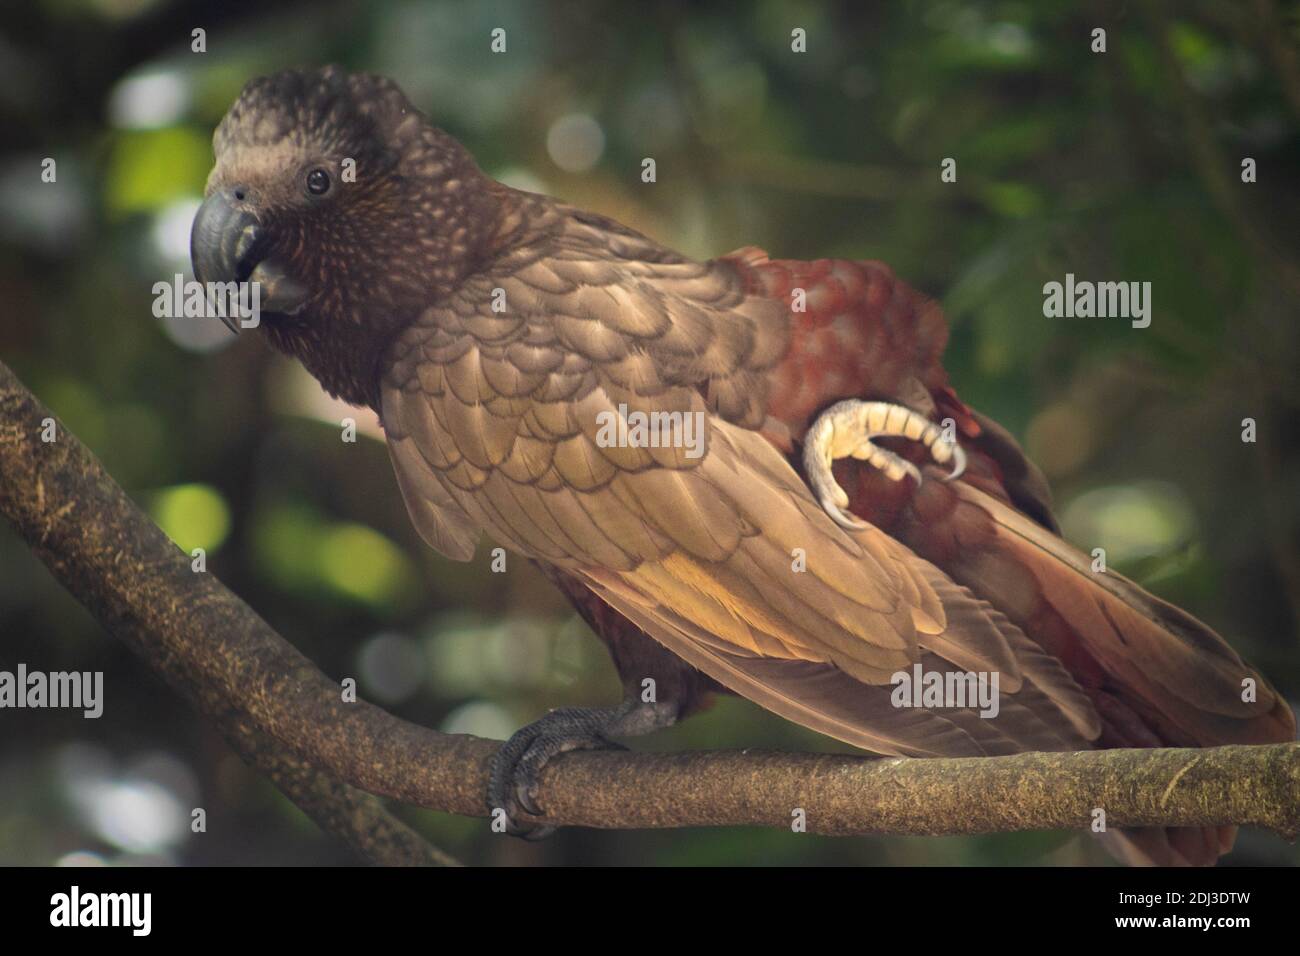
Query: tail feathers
{"x": 1181, "y": 678}
{"x": 1156, "y": 675}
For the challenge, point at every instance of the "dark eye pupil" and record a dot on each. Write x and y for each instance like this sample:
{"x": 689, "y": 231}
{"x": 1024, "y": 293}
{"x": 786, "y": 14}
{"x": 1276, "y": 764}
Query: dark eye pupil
{"x": 318, "y": 181}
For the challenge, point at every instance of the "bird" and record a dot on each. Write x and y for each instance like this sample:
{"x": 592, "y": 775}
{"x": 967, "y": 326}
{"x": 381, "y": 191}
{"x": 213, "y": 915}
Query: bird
{"x": 749, "y": 475}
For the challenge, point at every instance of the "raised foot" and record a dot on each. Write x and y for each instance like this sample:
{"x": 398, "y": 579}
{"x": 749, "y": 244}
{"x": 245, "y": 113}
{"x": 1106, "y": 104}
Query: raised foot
{"x": 514, "y": 780}
{"x": 845, "y": 430}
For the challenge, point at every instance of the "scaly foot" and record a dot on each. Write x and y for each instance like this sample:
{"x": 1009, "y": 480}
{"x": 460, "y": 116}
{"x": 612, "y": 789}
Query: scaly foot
{"x": 516, "y": 769}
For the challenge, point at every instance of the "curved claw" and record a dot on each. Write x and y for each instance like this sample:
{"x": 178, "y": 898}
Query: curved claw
{"x": 846, "y": 429}
{"x": 534, "y": 834}
{"x": 959, "y": 464}
{"x": 840, "y": 518}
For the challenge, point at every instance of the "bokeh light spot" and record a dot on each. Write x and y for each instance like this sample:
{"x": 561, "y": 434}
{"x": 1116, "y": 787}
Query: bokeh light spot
{"x": 361, "y": 563}
{"x": 575, "y": 142}
{"x": 149, "y": 100}
{"x": 194, "y": 516}
{"x": 392, "y": 667}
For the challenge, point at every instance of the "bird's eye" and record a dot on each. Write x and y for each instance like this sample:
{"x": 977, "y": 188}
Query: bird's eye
{"x": 318, "y": 182}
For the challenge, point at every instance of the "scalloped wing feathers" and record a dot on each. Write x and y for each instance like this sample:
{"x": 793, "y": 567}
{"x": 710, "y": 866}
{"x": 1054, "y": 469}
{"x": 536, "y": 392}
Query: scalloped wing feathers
{"x": 495, "y": 416}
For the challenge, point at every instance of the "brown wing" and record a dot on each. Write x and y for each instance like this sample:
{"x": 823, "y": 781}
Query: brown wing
{"x": 725, "y": 558}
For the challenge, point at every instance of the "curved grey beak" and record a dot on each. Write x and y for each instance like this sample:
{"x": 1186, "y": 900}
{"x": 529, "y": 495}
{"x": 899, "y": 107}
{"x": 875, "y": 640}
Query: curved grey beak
{"x": 227, "y": 245}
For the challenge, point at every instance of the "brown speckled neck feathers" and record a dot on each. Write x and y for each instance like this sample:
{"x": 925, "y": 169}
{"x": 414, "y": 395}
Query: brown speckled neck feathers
{"x": 397, "y": 261}
{"x": 417, "y": 216}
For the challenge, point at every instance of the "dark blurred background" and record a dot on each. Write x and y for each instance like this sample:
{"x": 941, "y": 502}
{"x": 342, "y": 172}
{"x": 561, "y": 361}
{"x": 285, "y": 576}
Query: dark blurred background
{"x": 1117, "y": 166}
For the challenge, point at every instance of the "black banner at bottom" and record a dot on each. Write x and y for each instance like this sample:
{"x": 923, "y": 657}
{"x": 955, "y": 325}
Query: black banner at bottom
{"x": 340, "y": 906}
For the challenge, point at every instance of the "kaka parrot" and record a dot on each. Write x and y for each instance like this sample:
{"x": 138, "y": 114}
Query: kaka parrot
{"x": 842, "y": 518}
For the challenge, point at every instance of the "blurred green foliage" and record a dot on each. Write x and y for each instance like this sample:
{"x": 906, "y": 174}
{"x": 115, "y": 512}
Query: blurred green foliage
{"x": 1123, "y": 165}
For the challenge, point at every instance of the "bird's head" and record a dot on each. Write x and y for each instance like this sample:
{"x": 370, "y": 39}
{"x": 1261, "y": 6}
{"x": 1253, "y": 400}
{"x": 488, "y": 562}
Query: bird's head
{"x": 350, "y": 211}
